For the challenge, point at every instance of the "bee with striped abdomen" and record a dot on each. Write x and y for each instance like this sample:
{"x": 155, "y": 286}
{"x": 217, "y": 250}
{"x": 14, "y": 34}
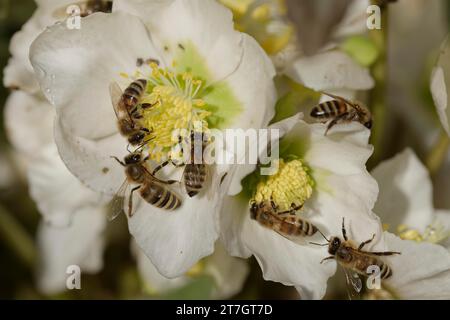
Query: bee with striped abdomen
{"x": 151, "y": 189}
{"x": 355, "y": 261}
{"x": 86, "y": 8}
{"x": 196, "y": 173}
{"x": 286, "y": 223}
{"x": 341, "y": 110}
{"x": 126, "y": 107}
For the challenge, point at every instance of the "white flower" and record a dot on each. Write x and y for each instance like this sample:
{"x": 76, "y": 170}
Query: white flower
{"x": 440, "y": 80}
{"x": 405, "y": 201}
{"x": 195, "y": 40}
{"x": 332, "y": 183}
{"x": 228, "y": 274}
{"x": 332, "y": 69}
{"x": 74, "y": 217}
{"x": 19, "y": 74}
{"x": 405, "y": 205}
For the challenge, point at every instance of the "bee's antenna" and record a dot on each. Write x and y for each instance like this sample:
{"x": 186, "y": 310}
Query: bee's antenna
{"x": 323, "y": 235}
{"x": 319, "y": 244}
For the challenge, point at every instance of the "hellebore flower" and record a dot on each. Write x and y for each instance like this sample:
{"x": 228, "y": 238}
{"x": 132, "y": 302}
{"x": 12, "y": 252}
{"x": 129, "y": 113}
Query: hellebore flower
{"x": 200, "y": 70}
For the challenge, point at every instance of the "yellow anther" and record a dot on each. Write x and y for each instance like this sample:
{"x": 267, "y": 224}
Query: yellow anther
{"x": 175, "y": 108}
{"x": 434, "y": 233}
{"x": 124, "y": 75}
{"x": 291, "y": 185}
{"x": 261, "y": 13}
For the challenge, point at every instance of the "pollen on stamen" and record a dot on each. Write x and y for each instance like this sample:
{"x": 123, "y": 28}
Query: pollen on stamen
{"x": 175, "y": 107}
{"x": 291, "y": 185}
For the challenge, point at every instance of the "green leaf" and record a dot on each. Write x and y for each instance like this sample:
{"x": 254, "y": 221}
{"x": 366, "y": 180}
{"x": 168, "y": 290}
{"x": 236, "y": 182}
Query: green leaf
{"x": 361, "y": 49}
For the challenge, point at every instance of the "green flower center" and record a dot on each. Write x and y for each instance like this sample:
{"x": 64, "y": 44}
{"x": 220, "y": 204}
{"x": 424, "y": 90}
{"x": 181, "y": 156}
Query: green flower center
{"x": 291, "y": 186}
{"x": 183, "y": 99}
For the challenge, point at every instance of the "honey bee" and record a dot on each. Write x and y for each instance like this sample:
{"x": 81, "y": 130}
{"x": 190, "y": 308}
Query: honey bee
{"x": 126, "y": 107}
{"x": 285, "y": 223}
{"x": 355, "y": 261}
{"x": 341, "y": 110}
{"x": 151, "y": 189}
{"x": 87, "y": 7}
{"x": 196, "y": 173}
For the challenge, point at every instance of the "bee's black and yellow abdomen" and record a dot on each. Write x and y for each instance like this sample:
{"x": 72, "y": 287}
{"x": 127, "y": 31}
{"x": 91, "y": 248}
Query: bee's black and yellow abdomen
{"x": 328, "y": 109}
{"x": 159, "y": 196}
{"x": 194, "y": 178}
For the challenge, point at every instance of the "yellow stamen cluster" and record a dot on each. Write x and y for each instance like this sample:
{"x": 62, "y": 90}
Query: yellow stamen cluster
{"x": 176, "y": 108}
{"x": 291, "y": 185}
{"x": 434, "y": 233}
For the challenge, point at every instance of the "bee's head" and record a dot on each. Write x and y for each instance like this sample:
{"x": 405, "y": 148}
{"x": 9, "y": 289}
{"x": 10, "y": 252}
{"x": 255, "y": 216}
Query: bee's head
{"x": 133, "y": 158}
{"x": 368, "y": 124}
{"x": 253, "y": 210}
{"x": 334, "y": 245}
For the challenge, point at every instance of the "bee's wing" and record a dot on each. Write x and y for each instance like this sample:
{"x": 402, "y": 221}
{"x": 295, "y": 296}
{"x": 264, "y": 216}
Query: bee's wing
{"x": 116, "y": 96}
{"x": 354, "y": 284}
{"x": 116, "y": 205}
{"x": 350, "y": 103}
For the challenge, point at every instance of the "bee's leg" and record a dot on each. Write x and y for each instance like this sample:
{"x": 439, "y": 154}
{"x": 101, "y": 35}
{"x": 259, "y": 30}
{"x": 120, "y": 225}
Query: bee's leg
{"x": 162, "y": 165}
{"x": 366, "y": 242}
{"x": 147, "y": 105}
{"x": 335, "y": 121}
{"x": 327, "y": 258}
{"x": 344, "y": 232}
{"x": 385, "y": 253}
{"x": 130, "y": 201}
{"x": 117, "y": 159}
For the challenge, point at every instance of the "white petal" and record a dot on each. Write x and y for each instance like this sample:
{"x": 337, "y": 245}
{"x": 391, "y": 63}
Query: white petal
{"x": 422, "y": 271}
{"x": 232, "y": 219}
{"x": 75, "y": 69}
{"x": 22, "y": 111}
{"x": 175, "y": 241}
{"x": 354, "y": 20}
{"x": 204, "y": 23}
{"x": 154, "y": 281}
{"x": 243, "y": 170}
{"x": 229, "y": 273}
{"x": 79, "y": 244}
{"x": 90, "y": 160}
{"x": 57, "y": 193}
{"x": 284, "y": 261}
{"x": 405, "y": 191}
{"x": 253, "y": 84}
{"x": 440, "y": 97}
{"x": 330, "y": 70}
{"x": 442, "y": 219}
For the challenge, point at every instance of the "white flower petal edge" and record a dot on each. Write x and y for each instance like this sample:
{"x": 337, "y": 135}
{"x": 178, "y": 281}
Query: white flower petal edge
{"x": 354, "y": 20}
{"x": 57, "y": 193}
{"x": 243, "y": 170}
{"x": 24, "y": 131}
{"x": 79, "y": 244}
{"x": 330, "y": 70}
{"x": 405, "y": 191}
{"x": 154, "y": 282}
{"x": 440, "y": 96}
{"x": 439, "y": 85}
{"x": 19, "y": 72}
{"x": 228, "y": 273}
{"x": 421, "y": 271}
{"x": 205, "y": 23}
{"x": 74, "y": 70}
